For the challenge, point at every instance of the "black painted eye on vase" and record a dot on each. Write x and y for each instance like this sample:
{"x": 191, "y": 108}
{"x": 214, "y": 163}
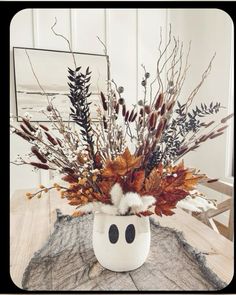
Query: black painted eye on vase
{"x": 130, "y": 233}
{"x": 113, "y": 234}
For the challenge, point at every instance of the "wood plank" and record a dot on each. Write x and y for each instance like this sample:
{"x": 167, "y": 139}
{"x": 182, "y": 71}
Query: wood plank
{"x": 29, "y": 230}
{"x": 222, "y": 229}
{"x": 221, "y": 187}
{"x": 222, "y": 207}
{"x": 200, "y": 236}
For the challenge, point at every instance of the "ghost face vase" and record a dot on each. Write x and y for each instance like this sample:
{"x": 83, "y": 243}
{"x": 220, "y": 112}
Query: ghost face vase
{"x": 121, "y": 243}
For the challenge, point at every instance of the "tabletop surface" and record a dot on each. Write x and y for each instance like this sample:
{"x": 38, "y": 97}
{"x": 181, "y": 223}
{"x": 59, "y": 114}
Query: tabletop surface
{"x": 32, "y": 221}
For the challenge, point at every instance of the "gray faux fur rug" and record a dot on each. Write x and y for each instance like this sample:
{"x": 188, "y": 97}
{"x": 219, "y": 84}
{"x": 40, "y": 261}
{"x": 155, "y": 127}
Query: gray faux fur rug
{"x": 67, "y": 262}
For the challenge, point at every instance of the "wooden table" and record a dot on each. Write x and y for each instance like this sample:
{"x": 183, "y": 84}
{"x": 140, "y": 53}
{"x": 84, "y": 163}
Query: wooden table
{"x": 31, "y": 222}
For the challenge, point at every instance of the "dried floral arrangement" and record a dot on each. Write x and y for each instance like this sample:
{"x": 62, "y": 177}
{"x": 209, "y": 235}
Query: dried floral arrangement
{"x": 95, "y": 160}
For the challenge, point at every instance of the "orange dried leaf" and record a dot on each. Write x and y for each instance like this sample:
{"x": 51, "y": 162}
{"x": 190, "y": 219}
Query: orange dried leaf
{"x": 164, "y": 209}
{"x": 134, "y": 182}
{"x": 105, "y": 186}
{"x": 69, "y": 178}
{"x": 191, "y": 181}
{"x": 152, "y": 183}
{"x": 75, "y": 202}
{"x": 121, "y": 165}
{"x": 77, "y": 214}
{"x": 146, "y": 213}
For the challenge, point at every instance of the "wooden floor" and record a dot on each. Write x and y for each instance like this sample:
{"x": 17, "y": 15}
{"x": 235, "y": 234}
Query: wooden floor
{"x": 31, "y": 222}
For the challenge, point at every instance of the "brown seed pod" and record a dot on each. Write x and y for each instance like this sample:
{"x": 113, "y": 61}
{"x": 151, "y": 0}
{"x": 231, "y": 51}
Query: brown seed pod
{"x": 216, "y": 135}
{"x": 123, "y": 110}
{"x": 147, "y": 109}
{"x": 154, "y": 145}
{"x": 21, "y": 134}
{"x": 104, "y": 103}
{"x": 159, "y": 101}
{"x": 134, "y": 117}
{"x": 222, "y": 128}
{"x": 209, "y": 124}
{"x": 194, "y": 147}
{"x": 44, "y": 127}
{"x": 104, "y": 122}
{"x": 140, "y": 121}
{"x": 40, "y": 165}
{"x": 164, "y": 123}
{"x": 131, "y": 115}
{"x": 182, "y": 150}
{"x": 25, "y": 129}
{"x": 35, "y": 151}
{"x": 68, "y": 170}
{"x": 224, "y": 120}
{"x": 51, "y": 139}
{"x": 202, "y": 138}
{"x": 141, "y": 112}
{"x": 140, "y": 150}
{"x": 209, "y": 135}
{"x": 59, "y": 142}
{"x": 155, "y": 120}
{"x": 27, "y": 123}
{"x": 152, "y": 120}
{"x": 159, "y": 129}
{"x": 163, "y": 109}
{"x": 117, "y": 108}
{"x": 126, "y": 116}
{"x": 170, "y": 106}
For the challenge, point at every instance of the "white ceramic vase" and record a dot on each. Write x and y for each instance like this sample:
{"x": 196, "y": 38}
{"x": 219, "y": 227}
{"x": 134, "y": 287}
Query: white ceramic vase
{"x": 121, "y": 243}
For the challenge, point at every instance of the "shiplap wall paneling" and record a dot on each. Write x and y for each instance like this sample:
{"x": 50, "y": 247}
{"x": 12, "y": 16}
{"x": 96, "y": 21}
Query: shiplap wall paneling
{"x": 122, "y": 49}
{"x": 21, "y": 34}
{"x": 207, "y": 29}
{"x": 87, "y": 25}
{"x": 44, "y": 19}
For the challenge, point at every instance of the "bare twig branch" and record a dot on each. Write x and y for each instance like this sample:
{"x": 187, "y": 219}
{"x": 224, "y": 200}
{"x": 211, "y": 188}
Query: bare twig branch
{"x": 68, "y": 42}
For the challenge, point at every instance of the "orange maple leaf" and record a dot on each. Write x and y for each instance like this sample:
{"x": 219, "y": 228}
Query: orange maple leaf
{"x": 152, "y": 183}
{"x": 134, "y": 182}
{"x": 121, "y": 165}
{"x": 164, "y": 207}
{"x": 105, "y": 186}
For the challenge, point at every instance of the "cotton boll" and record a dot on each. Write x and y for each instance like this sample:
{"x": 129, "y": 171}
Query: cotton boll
{"x": 109, "y": 209}
{"x": 204, "y": 203}
{"x": 129, "y": 200}
{"x": 185, "y": 204}
{"x": 116, "y": 194}
{"x": 87, "y": 208}
{"x": 148, "y": 201}
{"x": 196, "y": 204}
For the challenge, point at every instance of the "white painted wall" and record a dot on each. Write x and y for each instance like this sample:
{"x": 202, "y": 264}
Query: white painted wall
{"x": 131, "y": 37}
